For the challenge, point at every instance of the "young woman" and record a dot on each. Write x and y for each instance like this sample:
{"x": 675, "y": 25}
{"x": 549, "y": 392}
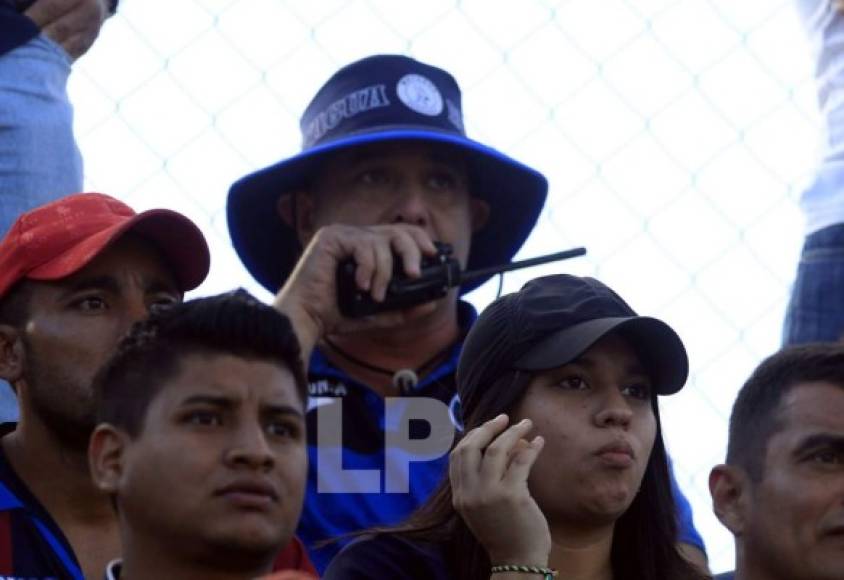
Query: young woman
{"x": 562, "y": 470}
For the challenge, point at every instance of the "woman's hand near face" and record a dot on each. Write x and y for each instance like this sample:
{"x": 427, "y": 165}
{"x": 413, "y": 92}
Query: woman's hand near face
{"x": 489, "y": 470}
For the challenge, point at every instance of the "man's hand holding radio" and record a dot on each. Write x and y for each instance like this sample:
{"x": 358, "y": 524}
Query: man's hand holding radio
{"x": 309, "y": 296}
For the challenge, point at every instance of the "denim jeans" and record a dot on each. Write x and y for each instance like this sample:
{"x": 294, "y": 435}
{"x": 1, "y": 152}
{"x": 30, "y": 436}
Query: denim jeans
{"x": 39, "y": 159}
{"x": 816, "y": 309}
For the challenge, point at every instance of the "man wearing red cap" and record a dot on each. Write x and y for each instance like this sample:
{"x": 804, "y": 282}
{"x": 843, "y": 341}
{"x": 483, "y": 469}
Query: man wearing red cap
{"x": 75, "y": 274}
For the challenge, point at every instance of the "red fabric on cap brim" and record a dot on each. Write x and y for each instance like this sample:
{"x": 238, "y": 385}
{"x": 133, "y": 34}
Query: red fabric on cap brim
{"x": 179, "y": 240}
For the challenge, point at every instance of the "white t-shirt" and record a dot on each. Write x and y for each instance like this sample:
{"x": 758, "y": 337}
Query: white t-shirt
{"x": 823, "y": 200}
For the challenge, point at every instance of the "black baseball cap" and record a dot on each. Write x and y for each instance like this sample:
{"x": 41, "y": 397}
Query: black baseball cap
{"x": 553, "y": 320}
{"x": 382, "y": 99}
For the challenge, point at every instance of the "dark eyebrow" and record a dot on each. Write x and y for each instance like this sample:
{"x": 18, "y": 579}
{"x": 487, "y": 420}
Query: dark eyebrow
{"x": 159, "y": 285}
{"x": 455, "y": 162}
{"x": 107, "y": 283}
{"x": 283, "y": 410}
{"x": 223, "y": 402}
{"x": 110, "y": 284}
{"x": 212, "y": 400}
{"x": 820, "y": 441}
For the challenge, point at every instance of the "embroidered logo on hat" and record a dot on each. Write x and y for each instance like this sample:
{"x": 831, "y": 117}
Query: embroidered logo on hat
{"x": 420, "y": 95}
{"x": 346, "y": 107}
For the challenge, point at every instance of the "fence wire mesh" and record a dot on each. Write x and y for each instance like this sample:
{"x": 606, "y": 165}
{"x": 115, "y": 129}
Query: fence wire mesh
{"x": 676, "y": 135}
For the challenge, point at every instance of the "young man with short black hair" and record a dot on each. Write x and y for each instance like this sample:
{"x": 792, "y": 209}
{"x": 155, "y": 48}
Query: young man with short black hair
{"x": 201, "y": 440}
{"x": 781, "y": 491}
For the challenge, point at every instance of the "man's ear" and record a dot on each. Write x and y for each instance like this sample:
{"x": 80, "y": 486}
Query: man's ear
{"x": 296, "y": 209}
{"x": 729, "y": 487}
{"x": 106, "y": 456}
{"x": 480, "y": 213}
{"x": 12, "y": 354}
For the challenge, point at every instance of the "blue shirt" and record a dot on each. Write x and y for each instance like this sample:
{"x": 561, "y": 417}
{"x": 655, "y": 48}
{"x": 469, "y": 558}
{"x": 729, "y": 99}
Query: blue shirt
{"x": 334, "y": 511}
{"x": 31, "y": 544}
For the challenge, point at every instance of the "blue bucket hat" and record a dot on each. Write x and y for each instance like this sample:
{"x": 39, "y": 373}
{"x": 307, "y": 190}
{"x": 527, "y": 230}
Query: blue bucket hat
{"x": 383, "y": 98}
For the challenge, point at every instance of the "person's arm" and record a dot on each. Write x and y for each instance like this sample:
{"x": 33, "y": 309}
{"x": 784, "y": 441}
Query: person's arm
{"x": 74, "y": 24}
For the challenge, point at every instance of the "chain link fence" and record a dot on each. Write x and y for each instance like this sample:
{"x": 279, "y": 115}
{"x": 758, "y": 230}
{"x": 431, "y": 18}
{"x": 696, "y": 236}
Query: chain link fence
{"x": 676, "y": 135}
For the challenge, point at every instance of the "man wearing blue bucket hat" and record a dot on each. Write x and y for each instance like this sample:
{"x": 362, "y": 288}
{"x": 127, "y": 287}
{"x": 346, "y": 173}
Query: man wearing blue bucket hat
{"x": 385, "y": 169}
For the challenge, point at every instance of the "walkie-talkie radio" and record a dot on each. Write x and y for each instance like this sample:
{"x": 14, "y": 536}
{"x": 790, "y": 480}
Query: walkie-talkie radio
{"x": 439, "y": 273}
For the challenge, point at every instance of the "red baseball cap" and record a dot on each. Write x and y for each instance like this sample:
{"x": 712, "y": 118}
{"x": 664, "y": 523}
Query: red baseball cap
{"x": 60, "y": 238}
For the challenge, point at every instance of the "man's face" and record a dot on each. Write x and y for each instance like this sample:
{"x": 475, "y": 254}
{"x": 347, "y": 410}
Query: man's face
{"x": 415, "y": 183}
{"x": 794, "y": 526}
{"x": 218, "y": 469}
{"x": 74, "y": 324}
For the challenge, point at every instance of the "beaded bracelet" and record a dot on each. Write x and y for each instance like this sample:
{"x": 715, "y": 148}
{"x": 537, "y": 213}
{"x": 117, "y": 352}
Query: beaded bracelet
{"x": 547, "y": 573}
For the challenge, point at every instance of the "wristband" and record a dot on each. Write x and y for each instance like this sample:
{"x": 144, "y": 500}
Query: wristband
{"x": 547, "y": 573}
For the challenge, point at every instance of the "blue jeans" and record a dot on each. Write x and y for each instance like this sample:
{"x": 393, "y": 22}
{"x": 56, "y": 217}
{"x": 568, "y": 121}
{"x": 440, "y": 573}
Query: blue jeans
{"x": 816, "y": 309}
{"x": 39, "y": 159}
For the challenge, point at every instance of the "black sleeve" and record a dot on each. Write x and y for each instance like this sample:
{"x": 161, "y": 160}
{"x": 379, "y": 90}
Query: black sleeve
{"x": 15, "y": 29}
{"x": 384, "y": 556}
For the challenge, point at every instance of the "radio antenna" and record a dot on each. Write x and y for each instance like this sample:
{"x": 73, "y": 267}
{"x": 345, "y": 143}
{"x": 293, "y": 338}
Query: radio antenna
{"x": 470, "y": 275}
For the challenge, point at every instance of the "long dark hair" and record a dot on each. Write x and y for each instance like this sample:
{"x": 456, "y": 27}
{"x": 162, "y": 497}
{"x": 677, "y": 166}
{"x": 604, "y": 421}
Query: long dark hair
{"x": 644, "y": 538}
